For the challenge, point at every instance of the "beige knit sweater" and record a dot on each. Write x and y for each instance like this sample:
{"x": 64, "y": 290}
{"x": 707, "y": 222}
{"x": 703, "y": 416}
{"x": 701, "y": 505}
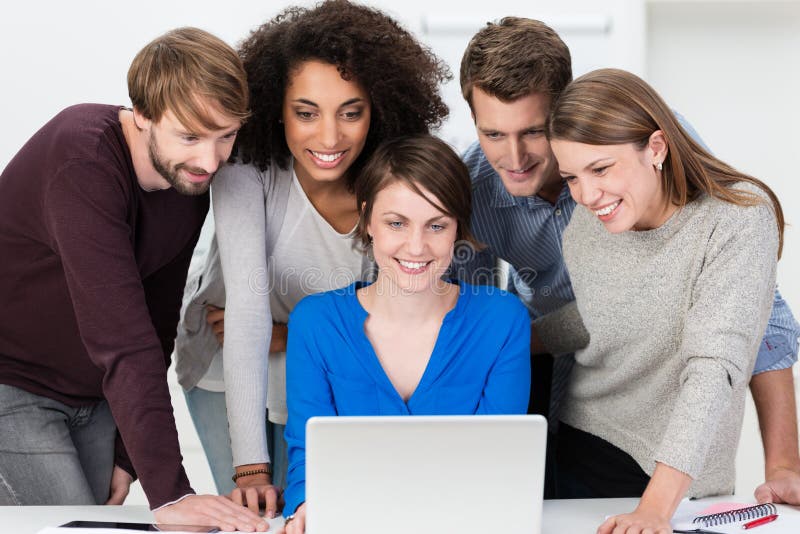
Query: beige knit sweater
{"x": 675, "y": 316}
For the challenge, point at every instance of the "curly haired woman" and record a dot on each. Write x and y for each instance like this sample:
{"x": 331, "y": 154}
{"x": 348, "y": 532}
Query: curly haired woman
{"x": 328, "y": 84}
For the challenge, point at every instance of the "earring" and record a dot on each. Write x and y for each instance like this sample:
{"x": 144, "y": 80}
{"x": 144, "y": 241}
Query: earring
{"x": 659, "y": 166}
{"x": 370, "y": 253}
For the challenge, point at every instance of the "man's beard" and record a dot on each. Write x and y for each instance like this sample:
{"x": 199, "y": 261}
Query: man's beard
{"x": 171, "y": 175}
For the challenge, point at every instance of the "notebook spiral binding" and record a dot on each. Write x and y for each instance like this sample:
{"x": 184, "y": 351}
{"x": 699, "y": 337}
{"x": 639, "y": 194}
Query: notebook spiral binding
{"x": 742, "y": 514}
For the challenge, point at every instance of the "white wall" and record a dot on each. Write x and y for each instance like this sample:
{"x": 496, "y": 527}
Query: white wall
{"x": 56, "y": 53}
{"x": 732, "y": 69}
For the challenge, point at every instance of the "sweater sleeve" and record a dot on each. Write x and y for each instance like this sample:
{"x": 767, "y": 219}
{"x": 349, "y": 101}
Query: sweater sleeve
{"x": 240, "y": 220}
{"x": 508, "y": 386}
{"x": 730, "y": 304}
{"x": 308, "y": 392}
{"x": 86, "y": 217}
{"x": 163, "y": 295}
{"x": 562, "y": 331}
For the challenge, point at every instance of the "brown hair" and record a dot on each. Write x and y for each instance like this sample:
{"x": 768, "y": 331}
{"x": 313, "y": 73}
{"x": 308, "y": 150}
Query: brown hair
{"x": 613, "y": 107}
{"x": 513, "y": 58}
{"x": 420, "y": 161}
{"x": 401, "y": 77}
{"x": 184, "y": 71}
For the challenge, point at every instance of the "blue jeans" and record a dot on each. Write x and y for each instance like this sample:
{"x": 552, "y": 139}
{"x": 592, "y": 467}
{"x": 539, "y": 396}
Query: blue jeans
{"x": 210, "y": 418}
{"x": 54, "y": 454}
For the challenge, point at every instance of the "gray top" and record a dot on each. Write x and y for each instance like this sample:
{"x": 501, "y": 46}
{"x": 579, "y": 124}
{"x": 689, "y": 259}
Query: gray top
{"x": 675, "y": 316}
{"x": 309, "y": 256}
{"x": 249, "y": 208}
{"x": 271, "y": 248}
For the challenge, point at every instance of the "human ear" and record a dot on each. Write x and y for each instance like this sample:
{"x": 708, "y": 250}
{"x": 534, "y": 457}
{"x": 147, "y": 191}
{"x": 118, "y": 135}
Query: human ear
{"x": 361, "y": 216}
{"x": 142, "y": 123}
{"x": 658, "y": 147}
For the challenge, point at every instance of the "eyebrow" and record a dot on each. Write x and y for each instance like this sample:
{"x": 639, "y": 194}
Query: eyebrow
{"x": 592, "y": 164}
{"x": 308, "y": 102}
{"x": 400, "y": 215}
{"x": 484, "y": 129}
{"x": 183, "y": 132}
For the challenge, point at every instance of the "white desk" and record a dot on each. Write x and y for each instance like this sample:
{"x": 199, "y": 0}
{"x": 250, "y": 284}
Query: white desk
{"x": 579, "y": 516}
{"x": 30, "y": 519}
{"x": 559, "y": 517}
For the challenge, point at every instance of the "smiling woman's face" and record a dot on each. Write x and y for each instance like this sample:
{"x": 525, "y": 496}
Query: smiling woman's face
{"x": 326, "y": 120}
{"x": 619, "y": 184}
{"x": 412, "y": 240}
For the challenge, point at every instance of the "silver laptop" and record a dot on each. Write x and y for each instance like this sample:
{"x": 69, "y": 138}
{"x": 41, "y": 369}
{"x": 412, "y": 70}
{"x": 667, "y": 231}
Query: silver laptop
{"x": 425, "y": 474}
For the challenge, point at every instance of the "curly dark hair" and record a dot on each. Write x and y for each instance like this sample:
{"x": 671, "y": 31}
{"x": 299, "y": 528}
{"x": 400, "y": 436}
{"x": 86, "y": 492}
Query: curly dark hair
{"x": 400, "y": 75}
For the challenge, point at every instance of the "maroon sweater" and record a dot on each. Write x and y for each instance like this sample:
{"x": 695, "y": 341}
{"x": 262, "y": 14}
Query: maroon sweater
{"x": 92, "y": 269}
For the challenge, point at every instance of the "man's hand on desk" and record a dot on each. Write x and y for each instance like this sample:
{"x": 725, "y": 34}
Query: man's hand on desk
{"x": 296, "y": 524}
{"x": 782, "y": 486}
{"x": 773, "y": 394}
{"x": 120, "y": 486}
{"x": 211, "y": 510}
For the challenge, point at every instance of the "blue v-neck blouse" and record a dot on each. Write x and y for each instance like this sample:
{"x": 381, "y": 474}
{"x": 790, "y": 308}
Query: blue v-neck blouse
{"x": 480, "y": 364}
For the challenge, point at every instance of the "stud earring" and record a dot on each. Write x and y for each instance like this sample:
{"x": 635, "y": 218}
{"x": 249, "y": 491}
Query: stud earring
{"x": 659, "y": 166}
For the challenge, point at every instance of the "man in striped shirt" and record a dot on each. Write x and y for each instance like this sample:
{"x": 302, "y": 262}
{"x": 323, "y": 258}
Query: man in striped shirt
{"x": 510, "y": 73}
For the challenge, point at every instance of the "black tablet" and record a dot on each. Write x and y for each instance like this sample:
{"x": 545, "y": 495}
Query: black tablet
{"x": 146, "y": 527}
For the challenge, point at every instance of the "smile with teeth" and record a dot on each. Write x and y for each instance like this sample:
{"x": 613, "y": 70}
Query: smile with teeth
{"x": 608, "y": 209}
{"x": 521, "y": 171}
{"x": 328, "y": 158}
{"x": 413, "y": 265}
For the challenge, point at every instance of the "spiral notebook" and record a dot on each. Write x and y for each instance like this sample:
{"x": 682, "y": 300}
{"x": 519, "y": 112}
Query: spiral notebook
{"x": 723, "y": 514}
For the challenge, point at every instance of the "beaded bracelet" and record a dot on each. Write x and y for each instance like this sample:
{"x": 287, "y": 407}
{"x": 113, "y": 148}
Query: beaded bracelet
{"x": 263, "y": 470}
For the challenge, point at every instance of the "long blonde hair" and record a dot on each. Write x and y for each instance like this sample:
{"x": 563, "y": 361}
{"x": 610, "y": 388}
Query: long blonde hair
{"x": 612, "y": 107}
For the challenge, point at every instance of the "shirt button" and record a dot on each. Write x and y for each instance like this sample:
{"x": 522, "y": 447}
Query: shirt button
{"x": 558, "y": 212}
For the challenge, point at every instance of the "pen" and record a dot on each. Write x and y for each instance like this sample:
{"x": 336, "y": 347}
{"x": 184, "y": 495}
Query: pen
{"x": 761, "y": 521}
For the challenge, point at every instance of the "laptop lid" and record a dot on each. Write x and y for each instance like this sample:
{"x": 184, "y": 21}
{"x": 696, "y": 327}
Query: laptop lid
{"x": 425, "y": 474}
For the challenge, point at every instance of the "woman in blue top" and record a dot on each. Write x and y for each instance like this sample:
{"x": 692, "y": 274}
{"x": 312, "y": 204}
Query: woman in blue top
{"x": 411, "y": 343}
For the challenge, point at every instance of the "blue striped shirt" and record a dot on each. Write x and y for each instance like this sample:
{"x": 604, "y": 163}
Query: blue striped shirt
{"x": 527, "y": 233}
